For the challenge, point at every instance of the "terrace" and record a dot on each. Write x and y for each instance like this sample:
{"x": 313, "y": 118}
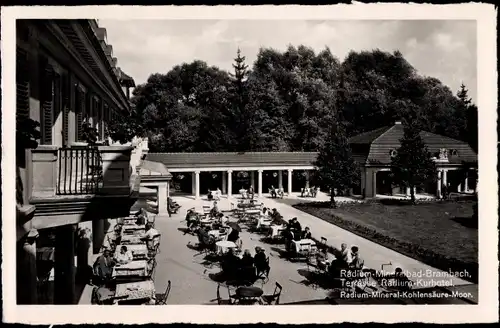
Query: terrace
{"x": 193, "y": 275}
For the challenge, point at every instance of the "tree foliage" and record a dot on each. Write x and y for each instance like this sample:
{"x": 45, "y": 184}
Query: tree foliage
{"x": 285, "y": 101}
{"x": 412, "y": 165}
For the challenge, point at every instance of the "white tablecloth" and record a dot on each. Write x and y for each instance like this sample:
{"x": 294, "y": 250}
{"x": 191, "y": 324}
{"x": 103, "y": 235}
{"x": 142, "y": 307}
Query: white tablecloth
{"x": 303, "y": 245}
{"x": 223, "y": 246}
{"x": 276, "y": 230}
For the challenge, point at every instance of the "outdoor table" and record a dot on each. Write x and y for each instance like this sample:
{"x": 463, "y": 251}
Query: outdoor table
{"x": 129, "y": 221}
{"x": 252, "y": 211}
{"x": 135, "y": 291}
{"x": 134, "y": 227}
{"x": 139, "y": 251}
{"x": 206, "y": 221}
{"x": 249, "y": 292}
{"x": 264, "y": 221}
{"x": 130, "y": 270}
{"x": 223, "y": 246}
{"x": 276, "y": 230}
{"x": 131, "y": 239}
{"x": 303, "y": 245}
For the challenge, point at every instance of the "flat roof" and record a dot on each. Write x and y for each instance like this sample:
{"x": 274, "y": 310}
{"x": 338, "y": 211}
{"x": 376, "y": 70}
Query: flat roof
{"x": 232, "y": 159}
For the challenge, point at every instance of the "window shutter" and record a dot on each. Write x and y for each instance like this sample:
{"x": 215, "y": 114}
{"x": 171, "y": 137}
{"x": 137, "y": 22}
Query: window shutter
{"x": 80, "y": 107}
{"x": 65, "y": 103}
{"x": 22, "y": 85}
{"x": 46, "y": 101}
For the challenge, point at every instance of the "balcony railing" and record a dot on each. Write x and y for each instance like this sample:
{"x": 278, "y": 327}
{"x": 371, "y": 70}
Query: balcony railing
{"x": 102, "y": 170}
{"x": 79, "y": 171}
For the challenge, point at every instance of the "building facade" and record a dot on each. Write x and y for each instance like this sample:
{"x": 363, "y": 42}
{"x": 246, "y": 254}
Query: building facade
{"x": 68, "y": 81}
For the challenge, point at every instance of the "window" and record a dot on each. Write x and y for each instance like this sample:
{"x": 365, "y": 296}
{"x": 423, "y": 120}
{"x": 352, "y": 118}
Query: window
{"x": 454, "y": 152}
{"x": 393, "y": 153}
{"x": 22, "y": 85}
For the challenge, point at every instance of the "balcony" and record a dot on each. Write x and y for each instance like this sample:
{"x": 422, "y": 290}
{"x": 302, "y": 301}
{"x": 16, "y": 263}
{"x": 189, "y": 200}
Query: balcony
{"x": 76, "y": 184}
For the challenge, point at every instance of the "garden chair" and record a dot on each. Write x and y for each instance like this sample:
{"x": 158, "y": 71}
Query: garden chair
{"x": 220, "y": 300}
{"x": 151, "y": 267}
{"x": 274, "y": 298}
{"x": 162, "y": 299}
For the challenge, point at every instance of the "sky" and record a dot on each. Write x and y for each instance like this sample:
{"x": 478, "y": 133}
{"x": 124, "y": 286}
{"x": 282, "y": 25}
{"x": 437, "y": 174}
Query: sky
{"x": 445, "y": 49}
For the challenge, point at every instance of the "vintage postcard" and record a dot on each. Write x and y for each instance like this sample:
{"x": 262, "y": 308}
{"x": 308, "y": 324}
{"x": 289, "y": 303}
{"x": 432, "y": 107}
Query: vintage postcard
{"x": 235, "y": 164}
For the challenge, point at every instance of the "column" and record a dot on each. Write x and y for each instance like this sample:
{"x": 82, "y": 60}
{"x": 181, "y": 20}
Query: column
{"x": 374, "y": 184}
{"x": 307, "y": 179}
{"x": 280, "y": 179}
{"x": 260, "y": 183}
{"x": 193, "y": 184}
{"x": 98, "y": 235}
{"x": 466, "y": 182}
{"x": 290, "y": 172}
{"x": 229, "y": 183}
{"x": 252, "y": 179}
{"x": 84, "y": 251}
{"x": 363, "y": 182}
{"x": 161, "y": 197}
{"x": 445, "y": 178}
{"x": 26, "y": 280}
{"x": 439, "y": 182}
{"x": 64, "y": 265}
{"x": 197, "y": 184}
{"x": 224, "y": 183}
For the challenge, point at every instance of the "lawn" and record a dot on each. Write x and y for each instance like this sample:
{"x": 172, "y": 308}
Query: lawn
{"x": 440, "y": 234}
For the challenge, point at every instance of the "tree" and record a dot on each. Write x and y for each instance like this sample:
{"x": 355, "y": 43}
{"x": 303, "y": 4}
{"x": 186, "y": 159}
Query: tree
{"x": 470, "y": 132}
{"x": 242, "y": 116}
{"x": 124, "y": 128}
{"x": 335, "y": 164}
{"x": 336, "y": 168}
{"x": 412, "y": 165}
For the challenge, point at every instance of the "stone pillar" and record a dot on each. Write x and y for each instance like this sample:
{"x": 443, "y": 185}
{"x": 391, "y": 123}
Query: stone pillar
{"x": 466, "y": 182}
{"x": 260, "y": 183}
{"x": 439, "y": 182}
{"x": 193, "y": 183}
{"x": 252, "y": 179}
{"x": 374, "y": 182}
{"x": 280, "y": 179}
{"x": 408, "y": 193}
{"x": 116, "y": 169}
{"x": 162, "y": 199}
{"x": 26, "y": 274}
{"x": 197, "y": 184}
{"x": 64, "y": 265}
{"x": 224, "y": 183}
{"x": 363, "y": 182}
{"x": 229, "y": 183}
{"x": 445, "y": 178}
{"x": 307, "y": 179}
{"x": 370, "y": 183}
{"x": 290, "y": 172}
{"x": 84, "y": 250}
{"x": 98, "y": 235}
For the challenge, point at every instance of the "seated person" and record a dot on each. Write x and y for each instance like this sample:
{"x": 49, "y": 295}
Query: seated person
{"x": 273, "y": 192}
{"x": 264, "y": 211}
{"x": 103, "y": 266}
{"x": 215, "y": 210}
{"x": 150, "y": 233}
{"x": 172, "y": 204}
{"x": 233, "y": 235}
{"x": 210, "y": 196}
{"x": 289, "y": 237}
{"x": 306, "y": 234}
{"x": 222, "y": 220}
{"x": 191, "y": 218}
{"x": 251, "y": 192}
{"x": 230, "y": 264}
{"x": 295, "y": 226}
{"x": 281, "y": 192}
{"x": 205, "y": 239}
{"x": 357, "y": 262}
{"x": 314, "y": 191}
{"x": 124, "y": 256}
{"x": 247, "y": 259}
{"x": 261, "y": 262}
{"x": 141, "y": 219}
{"x": 218, "y": 193}
{"x": 342, "y": 260}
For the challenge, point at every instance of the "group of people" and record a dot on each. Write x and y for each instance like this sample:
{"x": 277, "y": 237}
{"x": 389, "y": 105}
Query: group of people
{"x": 103, "y": 266}
{"x": 215, "y": 195}
{"x": 276, "y": 192}
{"x": 346, "y": 259}
{"x": 293, "y": 232}
{"x": 246, "y": 268}
{"x": 306, "y": 191}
